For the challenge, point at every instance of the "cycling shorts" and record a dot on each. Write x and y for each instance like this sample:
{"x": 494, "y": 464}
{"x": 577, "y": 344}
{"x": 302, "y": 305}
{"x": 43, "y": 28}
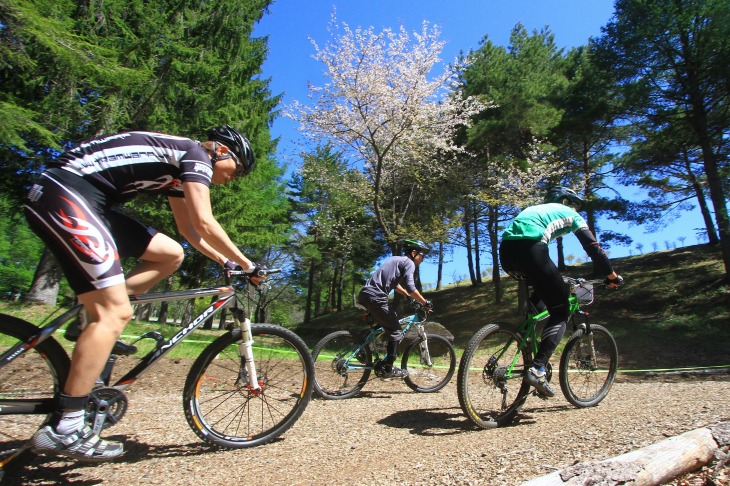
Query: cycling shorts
{"x": 86, "y": 236}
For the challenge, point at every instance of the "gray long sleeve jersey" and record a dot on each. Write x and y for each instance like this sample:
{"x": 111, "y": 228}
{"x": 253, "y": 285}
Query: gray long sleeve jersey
{"x": 396, "y": 270}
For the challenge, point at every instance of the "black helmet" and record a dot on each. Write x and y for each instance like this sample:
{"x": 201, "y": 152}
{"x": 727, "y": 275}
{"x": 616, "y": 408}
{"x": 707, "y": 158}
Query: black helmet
{"x": 558, "y": 193}
{"x": 411, "y": 244}
{"x": 237, "y": 144}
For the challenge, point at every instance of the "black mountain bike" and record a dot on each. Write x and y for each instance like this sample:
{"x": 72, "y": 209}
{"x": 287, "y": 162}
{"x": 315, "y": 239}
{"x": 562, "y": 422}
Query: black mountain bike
{"x": 246, "y": 388}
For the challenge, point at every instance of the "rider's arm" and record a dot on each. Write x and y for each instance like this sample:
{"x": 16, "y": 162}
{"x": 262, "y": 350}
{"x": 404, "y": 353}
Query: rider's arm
{"x": 594, "y": 250}
{"x": 196, "y": 223}
{"x": 415, "y": 294}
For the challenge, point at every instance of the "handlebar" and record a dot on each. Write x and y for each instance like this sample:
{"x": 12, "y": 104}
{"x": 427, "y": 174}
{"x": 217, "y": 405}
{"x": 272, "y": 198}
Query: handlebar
{"x": 582, "y": 281}
{"x": 260, "y": 273}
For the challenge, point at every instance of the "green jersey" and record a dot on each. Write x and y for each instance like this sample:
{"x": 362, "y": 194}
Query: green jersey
{"x": 544, "y": 222}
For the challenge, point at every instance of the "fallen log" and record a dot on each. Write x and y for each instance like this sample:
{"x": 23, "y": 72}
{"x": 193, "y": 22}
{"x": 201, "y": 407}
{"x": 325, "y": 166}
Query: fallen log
{"x": 649, "y": 466}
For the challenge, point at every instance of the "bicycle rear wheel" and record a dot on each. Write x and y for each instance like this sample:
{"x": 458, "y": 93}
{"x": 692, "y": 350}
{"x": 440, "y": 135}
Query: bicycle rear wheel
{"x": 221, "y": 407}
{"x": 490, "y": 393}
{"x": 339, "y": 373}
{"x": 588, "y": 366}
{"x": 28, "y": 385}
{"x": 426, "y": 378}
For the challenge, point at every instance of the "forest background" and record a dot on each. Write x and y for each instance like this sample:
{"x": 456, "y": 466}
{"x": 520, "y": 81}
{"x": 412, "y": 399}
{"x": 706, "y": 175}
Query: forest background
{"x": 396, "y": 141}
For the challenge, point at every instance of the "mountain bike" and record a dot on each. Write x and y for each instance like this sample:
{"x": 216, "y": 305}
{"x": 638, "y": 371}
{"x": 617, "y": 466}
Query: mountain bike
{"x": 246, "y": 387}
{"x": 489, "y": 381}
{"x": 344, "y": 362}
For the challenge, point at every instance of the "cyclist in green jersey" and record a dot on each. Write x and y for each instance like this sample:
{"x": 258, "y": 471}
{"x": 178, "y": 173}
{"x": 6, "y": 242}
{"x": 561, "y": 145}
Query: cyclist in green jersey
{"x": 524, "y": 252}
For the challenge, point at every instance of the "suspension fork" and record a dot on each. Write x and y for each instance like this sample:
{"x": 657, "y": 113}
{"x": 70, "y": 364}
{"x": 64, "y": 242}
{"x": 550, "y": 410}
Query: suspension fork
{"x": 245, "y": 347}
{"x": 425, "y": 353}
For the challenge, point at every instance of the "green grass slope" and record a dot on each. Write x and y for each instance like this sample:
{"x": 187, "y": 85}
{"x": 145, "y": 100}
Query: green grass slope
{"x": 671, "y": 313}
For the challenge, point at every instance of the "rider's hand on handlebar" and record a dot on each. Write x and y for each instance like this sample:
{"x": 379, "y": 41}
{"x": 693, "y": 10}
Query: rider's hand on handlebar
{"x": 231, "y": 265}
{"x": 428, "y": 305}
{"x": 614, "y": 283}
{"x": 257, "y": 273}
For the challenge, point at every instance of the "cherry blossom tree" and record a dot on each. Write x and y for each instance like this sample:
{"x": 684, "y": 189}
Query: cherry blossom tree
{"x": 384, "y": 108}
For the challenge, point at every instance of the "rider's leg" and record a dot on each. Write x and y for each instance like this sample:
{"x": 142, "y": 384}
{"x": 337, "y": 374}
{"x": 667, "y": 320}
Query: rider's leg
{"x": 108, "y": 312}
{"x": 380, "y": 309}
{"x": 161, "y": 258}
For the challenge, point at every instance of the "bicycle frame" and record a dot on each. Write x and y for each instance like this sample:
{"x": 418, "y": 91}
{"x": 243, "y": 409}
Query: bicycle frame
{"x": 528, "y": 333}
{"x": 226, "y": 297}
{"x": 408, "y": 322}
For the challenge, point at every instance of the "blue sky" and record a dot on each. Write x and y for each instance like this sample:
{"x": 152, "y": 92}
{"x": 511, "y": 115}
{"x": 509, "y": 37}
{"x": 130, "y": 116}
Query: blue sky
{"x": 464, "y": 23}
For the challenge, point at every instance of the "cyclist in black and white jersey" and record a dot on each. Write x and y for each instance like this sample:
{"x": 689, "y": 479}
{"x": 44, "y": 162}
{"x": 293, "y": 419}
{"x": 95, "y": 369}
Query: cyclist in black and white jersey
{"x": 71, "y": 207}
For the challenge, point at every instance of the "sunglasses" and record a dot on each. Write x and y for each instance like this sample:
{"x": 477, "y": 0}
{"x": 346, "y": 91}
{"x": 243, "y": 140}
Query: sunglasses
{"x": 229, "y": 155}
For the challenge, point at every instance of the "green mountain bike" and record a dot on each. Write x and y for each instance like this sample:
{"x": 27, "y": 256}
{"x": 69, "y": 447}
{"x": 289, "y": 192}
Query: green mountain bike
{"x": 489, "y": 381}
{"x": 344, "y": 362}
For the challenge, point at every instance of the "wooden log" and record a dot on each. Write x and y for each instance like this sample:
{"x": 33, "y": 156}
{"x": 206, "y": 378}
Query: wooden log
{"x": 649, "y": 466}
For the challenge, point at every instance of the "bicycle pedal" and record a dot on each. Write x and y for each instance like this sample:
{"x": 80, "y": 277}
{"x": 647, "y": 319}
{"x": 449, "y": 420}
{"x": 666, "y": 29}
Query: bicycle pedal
{"x": 540, "y": 395}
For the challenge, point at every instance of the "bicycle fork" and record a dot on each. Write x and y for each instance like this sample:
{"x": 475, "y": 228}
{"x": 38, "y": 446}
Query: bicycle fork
{"x": 245, "y": 350}
{"x": 425, "y": 354}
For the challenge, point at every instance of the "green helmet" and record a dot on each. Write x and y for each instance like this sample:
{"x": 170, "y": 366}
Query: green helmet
{"x": 558, "y": 194}
{"x": 411, "y": 244}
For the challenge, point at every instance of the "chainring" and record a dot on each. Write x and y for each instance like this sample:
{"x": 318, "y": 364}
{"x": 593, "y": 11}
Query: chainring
{"x": 107, "y": 400}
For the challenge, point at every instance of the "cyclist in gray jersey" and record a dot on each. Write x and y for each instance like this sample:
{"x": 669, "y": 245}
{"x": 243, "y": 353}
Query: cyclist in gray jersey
{"x": 71, "y": 207}
{"x": 524, "y": 252}
{"x": 395, "y": 274}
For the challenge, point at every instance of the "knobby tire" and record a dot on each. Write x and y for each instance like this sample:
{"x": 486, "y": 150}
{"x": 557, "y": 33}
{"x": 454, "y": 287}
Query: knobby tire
{"x": 487, "y": 394}
{"x": 587, "y": 370}
{"x": 428, "y": 379}
{"x": 334, "y": 379}
{"x": 36, "y": 376}
{"x": 222, "y": 408}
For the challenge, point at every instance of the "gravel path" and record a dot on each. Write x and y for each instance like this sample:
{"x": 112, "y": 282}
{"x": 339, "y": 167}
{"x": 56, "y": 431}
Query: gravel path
{"x": 389, "y": 434}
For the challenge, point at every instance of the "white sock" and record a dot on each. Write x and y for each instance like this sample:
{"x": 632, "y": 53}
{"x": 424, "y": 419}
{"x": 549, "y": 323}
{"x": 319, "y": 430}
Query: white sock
{"x": 71, "y": 422}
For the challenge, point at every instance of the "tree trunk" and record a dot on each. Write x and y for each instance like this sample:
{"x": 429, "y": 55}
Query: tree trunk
{"x": 164, "y": 306}
{"x": 492, "y": 228}
{"x": 317, "y": 297}
{"x": 717, "y": 195}
{"x": 477, "y": 259}
{"x": 653, "y": 465}
{"x": 440, "y": 271}
{"x": 466, "y": 223}
{"x": 310, "y": 294}
{"x": 46, "y": 281}
{"x": 704, "y": 209}
{"x": 341, "y": 285}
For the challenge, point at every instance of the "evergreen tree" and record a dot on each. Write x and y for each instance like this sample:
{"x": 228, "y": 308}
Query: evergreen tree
{"x": 673, "y": 58}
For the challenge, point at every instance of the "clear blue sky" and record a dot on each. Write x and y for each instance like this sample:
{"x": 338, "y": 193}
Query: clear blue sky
{"x": 464, "y": 23}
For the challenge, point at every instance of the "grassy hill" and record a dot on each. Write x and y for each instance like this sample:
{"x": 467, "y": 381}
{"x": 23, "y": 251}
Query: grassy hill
{"x": 671, "y": 313}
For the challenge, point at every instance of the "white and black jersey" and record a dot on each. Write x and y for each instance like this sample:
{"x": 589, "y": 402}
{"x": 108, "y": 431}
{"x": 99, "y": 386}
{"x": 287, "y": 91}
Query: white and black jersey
{"x": 71, "y": 205}
{"x": 124, "y": 164}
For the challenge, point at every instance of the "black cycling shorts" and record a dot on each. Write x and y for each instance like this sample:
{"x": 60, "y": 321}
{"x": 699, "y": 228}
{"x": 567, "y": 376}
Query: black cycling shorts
{"x": 87, "y": 237}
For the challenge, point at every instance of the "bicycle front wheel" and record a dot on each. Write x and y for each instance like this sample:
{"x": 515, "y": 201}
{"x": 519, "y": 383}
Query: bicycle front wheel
{"x": 489, "y": 382}
{"x": 428, "y": 377}
{"x": 28, "y": 385}
{"x": 341, "y": 371}
{"x": 224, "y": 410}
{"x": 588, "y": 366}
